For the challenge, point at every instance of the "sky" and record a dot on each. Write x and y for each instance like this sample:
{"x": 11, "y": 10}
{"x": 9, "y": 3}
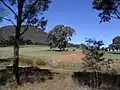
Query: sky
{"x": 80, "y": 15}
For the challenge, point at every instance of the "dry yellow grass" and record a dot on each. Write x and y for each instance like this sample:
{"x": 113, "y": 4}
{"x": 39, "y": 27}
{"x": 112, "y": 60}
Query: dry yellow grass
{"x": 32, "y": 61}
{"x": 60, "y": 82}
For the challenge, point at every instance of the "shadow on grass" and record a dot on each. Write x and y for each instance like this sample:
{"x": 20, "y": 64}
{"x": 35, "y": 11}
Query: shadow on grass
{"x": 97, "y": 81}
{"x": 27, "y": 75}
{"x": 114, "y": 52}
{"x": 58, "y": 50}
{"x": 5, "y": 60}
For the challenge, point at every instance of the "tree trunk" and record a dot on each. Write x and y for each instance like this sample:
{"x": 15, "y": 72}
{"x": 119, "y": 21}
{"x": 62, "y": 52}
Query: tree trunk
{"x": 60, "y": 49}
{"x": 17, "y": 41}
{"x": 16, "y": 56}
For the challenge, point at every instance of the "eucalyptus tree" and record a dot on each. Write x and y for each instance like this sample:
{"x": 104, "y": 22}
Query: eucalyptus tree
{"x": 108, "y": 9}
{"x": 25, "y": 13}
{"x": 59, "y": 36}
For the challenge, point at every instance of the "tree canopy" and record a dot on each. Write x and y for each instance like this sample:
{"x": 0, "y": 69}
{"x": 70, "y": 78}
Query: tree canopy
{"x": 116, "y": 40}
{"x": 25, "y": 13}
{"x": 108, "y": 9}
{"x": 115, "y": 44}
{"x": 59, "y": 36}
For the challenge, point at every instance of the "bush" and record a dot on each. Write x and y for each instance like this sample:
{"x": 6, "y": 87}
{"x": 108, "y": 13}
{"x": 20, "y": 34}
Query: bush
{"x": 73, "y": 50}
{"x": 94, "y": 57}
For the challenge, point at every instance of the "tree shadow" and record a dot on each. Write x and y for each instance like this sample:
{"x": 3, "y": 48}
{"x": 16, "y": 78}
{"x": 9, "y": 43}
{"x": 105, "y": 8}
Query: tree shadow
{"x": 102, "y": 81}
{"x": 54, "y": 50}
{"x": 5, "y": 60}
{"x": 27, "y": 75}
{"x": 114, "y": 52}
{"x": 58, "y": 50}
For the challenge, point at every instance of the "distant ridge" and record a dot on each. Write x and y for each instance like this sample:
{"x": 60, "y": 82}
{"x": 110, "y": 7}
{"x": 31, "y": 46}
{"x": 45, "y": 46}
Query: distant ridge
{"x": 34, "y": 34}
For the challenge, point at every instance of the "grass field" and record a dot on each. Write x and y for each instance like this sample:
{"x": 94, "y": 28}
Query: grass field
{"x": 68, "y": 59}
{"x": 44, "y": 51}
{"x": 39, "y": 52}
{"x": 65, "y": 63}
{"x": 58, "y": 60}
{"x": 33, "y": 51}
{"x": 42, "y": 55}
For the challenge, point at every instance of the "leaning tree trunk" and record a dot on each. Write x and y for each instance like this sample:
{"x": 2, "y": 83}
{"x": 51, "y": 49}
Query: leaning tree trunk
{"x": 16, "y": 56}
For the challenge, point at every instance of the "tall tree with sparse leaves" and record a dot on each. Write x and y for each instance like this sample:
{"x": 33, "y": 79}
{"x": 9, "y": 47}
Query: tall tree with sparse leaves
{"x": 108, "y": 9}
{"x": 25, "y": 12}
{"x": 59, "y": 36}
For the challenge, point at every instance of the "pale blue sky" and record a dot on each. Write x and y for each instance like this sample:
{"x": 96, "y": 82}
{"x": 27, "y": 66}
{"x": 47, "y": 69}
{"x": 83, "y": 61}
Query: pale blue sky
{"x": 79, "y": 15}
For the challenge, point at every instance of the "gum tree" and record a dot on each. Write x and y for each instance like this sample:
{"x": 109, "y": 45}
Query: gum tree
{"x": 25, "y": 13}
{"x": 108, "y": 9}
{"x": 59, "y": 36}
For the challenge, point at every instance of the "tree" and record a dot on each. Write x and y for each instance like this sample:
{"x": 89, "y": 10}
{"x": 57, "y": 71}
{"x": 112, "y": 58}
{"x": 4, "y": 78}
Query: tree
{"x": 28, "y": 42}
{"x": 83, "y": 46}
{"x": 94, "y": 61}
{"x": 12, "y": 40}
{"x": 116, "y": 43}
{"x": 59, "y": 36}
{"x": 111, "y": 47}
{"x": 93, "y": 56}
{"x": 109, "y": 9}
{"x": 116, "y": 40}
{"x": 26, "y": 13}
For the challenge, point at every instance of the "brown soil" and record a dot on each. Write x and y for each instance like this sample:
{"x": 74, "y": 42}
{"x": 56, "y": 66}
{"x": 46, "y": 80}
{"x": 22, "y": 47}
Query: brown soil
{"x": 70, "y": 57}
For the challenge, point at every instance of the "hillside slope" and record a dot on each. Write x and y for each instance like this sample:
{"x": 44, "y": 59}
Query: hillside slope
{"x": 34, "y": 34}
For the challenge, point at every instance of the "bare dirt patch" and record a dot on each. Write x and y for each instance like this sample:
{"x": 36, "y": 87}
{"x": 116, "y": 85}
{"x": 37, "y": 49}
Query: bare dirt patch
{"x": 70, "y": 57}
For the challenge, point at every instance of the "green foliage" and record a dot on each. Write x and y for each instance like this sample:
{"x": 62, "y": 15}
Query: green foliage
{"x": 73, "y": 45}
{"x": 109, "y": 9}
{"x": 94, "y": 57}
{"x": 2, "y": 14}
{"x": 59, "y": 36}
{"x": 116, "y": 40}
{"x": 83, "y": 46}
{"x": 111, "y": 47}
{"x": 28, "y": 12}
{"x": 115, "y": 44}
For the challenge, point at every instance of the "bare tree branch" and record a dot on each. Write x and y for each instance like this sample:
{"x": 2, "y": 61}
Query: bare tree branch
{"x": 10, "y": 21}
{"x": 27, "y": 26}
{"x": 24, "y": 30}
{"x": 9, "y": 8}
{"x": 114, "y": 17}
{"x": 116, "y": 13}
{"x": 5, "y": 39}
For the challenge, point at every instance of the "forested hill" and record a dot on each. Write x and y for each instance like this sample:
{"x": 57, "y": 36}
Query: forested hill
{"x": 35, "y": 35}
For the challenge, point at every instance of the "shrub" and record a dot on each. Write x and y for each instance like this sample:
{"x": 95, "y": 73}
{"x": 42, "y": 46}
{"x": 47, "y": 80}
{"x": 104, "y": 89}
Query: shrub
{"x": 94, "y": 57}
{"x": 73, "y": 49}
